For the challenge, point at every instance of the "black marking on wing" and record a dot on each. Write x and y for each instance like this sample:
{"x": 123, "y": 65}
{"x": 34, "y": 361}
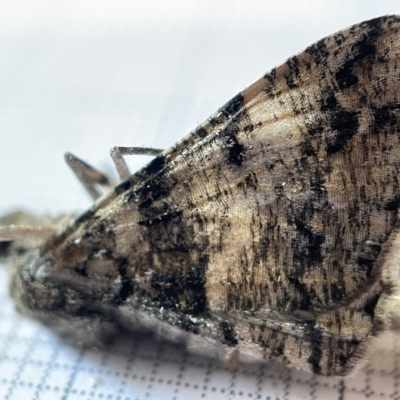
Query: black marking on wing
{"x": 232, "y": 106}
{"x": 155, "y": 166}
{"x": 364, "y": 48}
{"x": 366, "y": 263}
{"x": 278, "y": 351}
{"x": 293, "y": 77}
{"x": 178, "y": 283}
{"x": 152, "y": 168}
{"x": 235, "y": 151}
{"x": 369, "y": 306}
{"x": 86, "y": 216}
{"x": 315, "y": 337}
{"x": 270, "y": 78}
{"x": 154, "y": 190}
{"x": 228, "y": 333}
{"x": 320, "y": 53}
{"x": 308, "y": 245}
{"x": 127, "y": 286}
{"x": 393, "y": 205}
{"x": 170, "y": 288}
{"x": 126, "y": 290}
{"x": 344, "y": 125}
{"x": 81, "y": 269}
{"x": 201, "y": 132}
{"x": 123, "y": 186}
{"x": 161, "y": 219}
{"x": 387, "y": 115}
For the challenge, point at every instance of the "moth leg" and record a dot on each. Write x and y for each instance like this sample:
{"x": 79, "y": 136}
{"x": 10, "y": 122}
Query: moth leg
{"x": 118, "y": 152}
{"x": 88, "y": 176}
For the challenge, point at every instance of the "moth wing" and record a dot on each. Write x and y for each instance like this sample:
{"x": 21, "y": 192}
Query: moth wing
{"x": 283, "y": 203}
{"x": 293, "y": 197}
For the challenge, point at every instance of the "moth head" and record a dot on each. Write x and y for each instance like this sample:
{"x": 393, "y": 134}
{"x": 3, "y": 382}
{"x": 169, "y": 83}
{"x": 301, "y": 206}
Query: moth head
{"x": 21, "y": 238}
{"x": 40, "y": 289}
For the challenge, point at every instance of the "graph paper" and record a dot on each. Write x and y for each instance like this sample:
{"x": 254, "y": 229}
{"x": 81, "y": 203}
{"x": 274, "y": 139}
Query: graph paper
{"x": 85, "y": 75}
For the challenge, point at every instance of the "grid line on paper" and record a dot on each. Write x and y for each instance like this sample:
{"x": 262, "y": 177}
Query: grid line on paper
{"x": 396, "y": 374}
{"x": 313, "y": 387}
{"x": 72, "y": 376}
{"x": 341, "y": 389}
{"x": 45, "y": 375}
{"x": 21, "y": 365}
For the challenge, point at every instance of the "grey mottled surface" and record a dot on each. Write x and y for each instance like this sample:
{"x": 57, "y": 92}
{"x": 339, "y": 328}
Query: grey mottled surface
{"x": 83, "y": 78}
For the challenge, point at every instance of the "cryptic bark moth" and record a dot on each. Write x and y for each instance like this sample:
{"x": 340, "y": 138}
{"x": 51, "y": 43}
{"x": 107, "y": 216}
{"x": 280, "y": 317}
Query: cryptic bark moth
{"x": 271, "y": 229}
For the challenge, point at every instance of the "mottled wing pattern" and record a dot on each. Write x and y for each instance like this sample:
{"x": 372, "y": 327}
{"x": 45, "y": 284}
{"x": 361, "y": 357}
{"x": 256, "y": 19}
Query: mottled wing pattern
{"x": 269, "y": 227}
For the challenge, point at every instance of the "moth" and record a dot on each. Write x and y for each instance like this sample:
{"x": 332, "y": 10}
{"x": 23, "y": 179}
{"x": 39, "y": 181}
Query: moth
{"x": 272, "y": 229}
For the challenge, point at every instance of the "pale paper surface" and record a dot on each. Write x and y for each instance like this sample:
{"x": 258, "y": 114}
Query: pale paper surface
{"x": 83, "y": 76}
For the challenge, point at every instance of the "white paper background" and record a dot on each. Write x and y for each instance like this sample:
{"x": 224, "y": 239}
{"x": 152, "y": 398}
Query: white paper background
{"x": 83, "y": 76}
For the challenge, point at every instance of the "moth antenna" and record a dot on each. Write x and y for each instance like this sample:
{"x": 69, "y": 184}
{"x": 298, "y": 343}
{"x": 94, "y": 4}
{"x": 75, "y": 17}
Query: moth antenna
{"x": 14, "y": 232}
